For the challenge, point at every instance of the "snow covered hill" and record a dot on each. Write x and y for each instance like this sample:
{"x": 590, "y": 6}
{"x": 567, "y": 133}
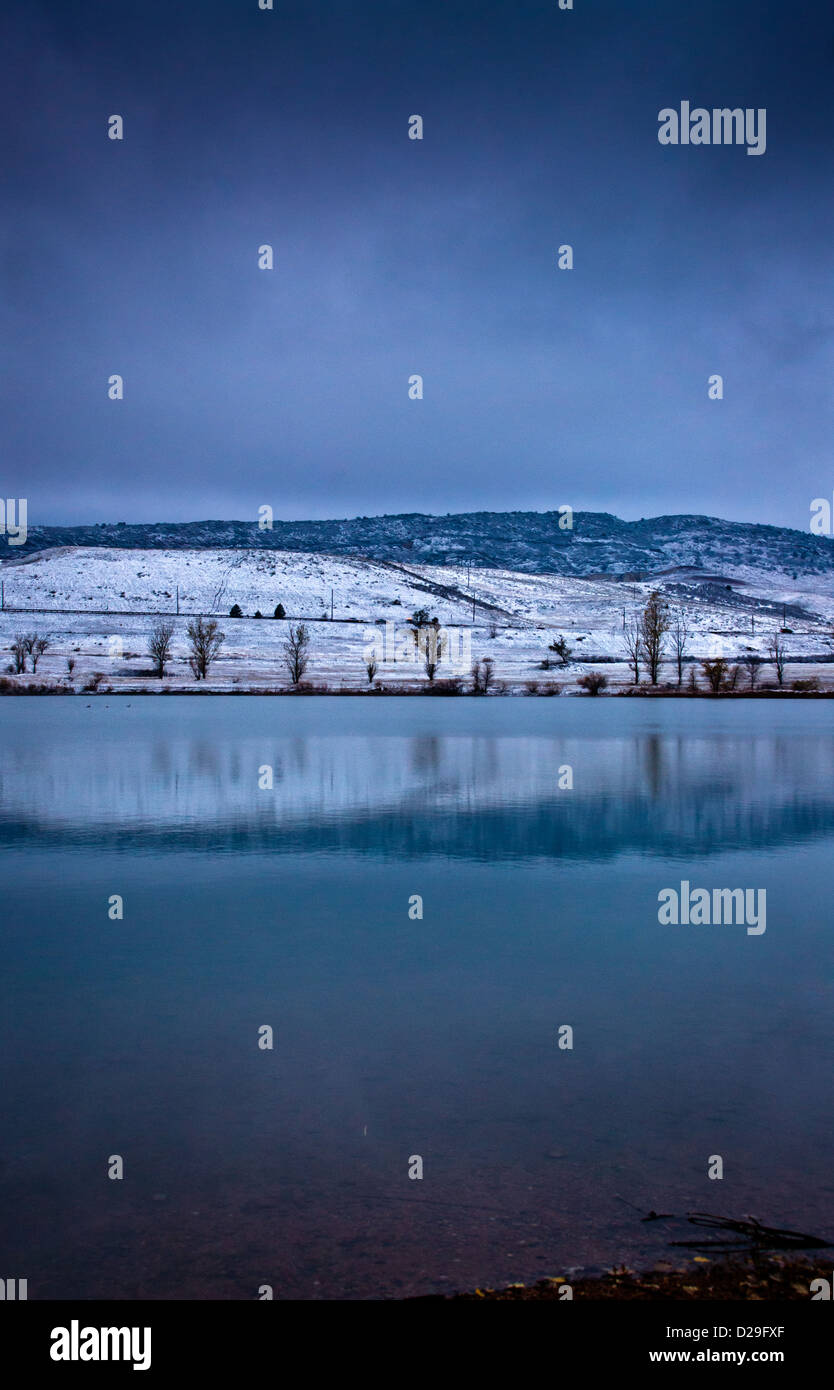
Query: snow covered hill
{"x": 97, "y": 605}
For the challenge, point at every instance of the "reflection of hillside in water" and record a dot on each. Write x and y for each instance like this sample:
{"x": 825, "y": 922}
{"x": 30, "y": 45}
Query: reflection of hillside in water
{"x": 475, "y": 797}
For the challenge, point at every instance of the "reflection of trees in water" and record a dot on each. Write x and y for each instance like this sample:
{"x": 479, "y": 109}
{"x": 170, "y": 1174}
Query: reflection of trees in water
{"x": 456, "y": 764}
{"x": 203, "y": 758}
{"x": 463, "y": 795}
{"x": 653, "y": 761}
{"x": 426, "y": 753}
{"x": 161, "y": 762}
{"x": 742, "y": 767}
{"x": 300, "y": 754}
{"x": 486, "y": 762}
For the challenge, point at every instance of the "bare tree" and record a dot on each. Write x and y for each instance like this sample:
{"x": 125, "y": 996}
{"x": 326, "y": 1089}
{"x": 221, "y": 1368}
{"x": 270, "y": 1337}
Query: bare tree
{"x": 297, "y": 652}
{"x": 36, "y": 649}
{"x": 633, "y": 643}
{"x": 482, "y": 676}
{"x": 776, "y": 652}
{"x": 205, "y": 641}
{"x": 559, "y": 645}
{"x": 70, "y": 664}
{"x": 371, "y": 667}
{"x": 20, "y": 651}
{"x": 715, "y": 673}
{"x": 654, "y": 624}
{"x": 431, "y": 644}
{"x": 751, "y": 664}
{"x": 680, "y": 640}
{"x": 159, "y": 646}
{"x": 29, "y": 639}
{"x": 593, "y": 682}
{"x": 424, "y": 629}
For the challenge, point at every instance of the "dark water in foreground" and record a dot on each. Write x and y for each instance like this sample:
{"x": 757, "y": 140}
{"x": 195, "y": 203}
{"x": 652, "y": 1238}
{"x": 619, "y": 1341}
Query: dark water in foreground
{"x": 397, "y": 1037}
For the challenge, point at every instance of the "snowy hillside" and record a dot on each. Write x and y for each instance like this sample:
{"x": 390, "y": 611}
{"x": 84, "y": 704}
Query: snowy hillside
{"x": 96, "y": 606}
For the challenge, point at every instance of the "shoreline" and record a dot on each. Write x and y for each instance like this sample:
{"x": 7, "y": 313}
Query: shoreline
{"x": 752, "y": 1278}
{"x": 13, "y": 688}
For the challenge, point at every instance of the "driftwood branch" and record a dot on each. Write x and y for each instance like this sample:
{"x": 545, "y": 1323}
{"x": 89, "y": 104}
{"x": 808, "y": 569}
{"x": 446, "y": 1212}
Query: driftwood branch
{"x": 755, "y": 1236}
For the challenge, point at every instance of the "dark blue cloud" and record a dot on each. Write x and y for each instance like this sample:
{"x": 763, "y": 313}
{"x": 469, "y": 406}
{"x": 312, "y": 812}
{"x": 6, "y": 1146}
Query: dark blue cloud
{"x": 396, "y": 257}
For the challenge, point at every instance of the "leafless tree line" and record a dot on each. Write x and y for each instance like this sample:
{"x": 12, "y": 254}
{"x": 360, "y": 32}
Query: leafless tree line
{"x": 28, "y": 644}
{"x": 645, "y": 637}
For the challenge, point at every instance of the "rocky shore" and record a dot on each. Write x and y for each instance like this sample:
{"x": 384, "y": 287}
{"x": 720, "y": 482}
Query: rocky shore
{"x": 756, "y": 1278}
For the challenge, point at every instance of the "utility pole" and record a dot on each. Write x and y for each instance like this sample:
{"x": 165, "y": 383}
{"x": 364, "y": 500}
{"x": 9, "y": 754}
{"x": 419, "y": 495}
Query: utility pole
{"x": 473, "y": 610}
{"x": 2, "y": 596}
{"x": 331, "y": 605}
{"x": 178, "y": 600}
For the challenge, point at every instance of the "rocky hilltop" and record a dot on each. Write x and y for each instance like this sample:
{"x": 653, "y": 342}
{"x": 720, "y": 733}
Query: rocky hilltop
{"x": 529, "y": 542}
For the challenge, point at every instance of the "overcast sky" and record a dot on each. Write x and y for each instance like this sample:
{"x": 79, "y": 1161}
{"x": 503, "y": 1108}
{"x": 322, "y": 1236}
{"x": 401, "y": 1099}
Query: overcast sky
{"x": 394, "y": 257}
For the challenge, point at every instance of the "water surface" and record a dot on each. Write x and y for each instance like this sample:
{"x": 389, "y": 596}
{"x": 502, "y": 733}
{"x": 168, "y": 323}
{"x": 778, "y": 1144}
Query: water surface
{"x": 394, "y": 1037}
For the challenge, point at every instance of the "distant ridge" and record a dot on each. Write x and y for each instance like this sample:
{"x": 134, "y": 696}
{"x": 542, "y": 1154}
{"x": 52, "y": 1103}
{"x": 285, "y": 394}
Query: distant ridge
{"x": 531, "y": 542}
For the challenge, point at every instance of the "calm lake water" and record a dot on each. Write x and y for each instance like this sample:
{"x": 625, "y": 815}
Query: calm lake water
{"x": 246, "y": 906}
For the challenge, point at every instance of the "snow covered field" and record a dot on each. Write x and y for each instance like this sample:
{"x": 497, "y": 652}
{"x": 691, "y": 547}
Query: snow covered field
{"x": 96, "y": 606}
